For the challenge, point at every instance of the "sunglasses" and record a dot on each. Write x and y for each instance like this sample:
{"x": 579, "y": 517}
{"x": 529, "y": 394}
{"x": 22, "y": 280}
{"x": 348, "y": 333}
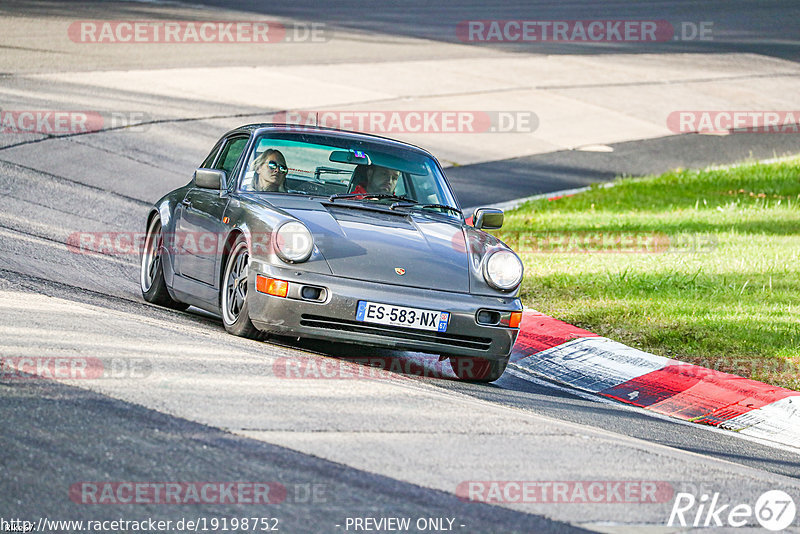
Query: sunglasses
{"x": 275, "y": 165}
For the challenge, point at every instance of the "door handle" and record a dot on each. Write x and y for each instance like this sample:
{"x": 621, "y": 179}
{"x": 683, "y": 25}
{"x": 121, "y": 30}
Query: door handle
{"x": 187, "y": 203}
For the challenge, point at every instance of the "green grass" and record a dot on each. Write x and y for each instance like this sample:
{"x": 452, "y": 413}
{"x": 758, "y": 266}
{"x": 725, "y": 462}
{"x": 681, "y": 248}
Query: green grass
{"x": 707, "y": 268}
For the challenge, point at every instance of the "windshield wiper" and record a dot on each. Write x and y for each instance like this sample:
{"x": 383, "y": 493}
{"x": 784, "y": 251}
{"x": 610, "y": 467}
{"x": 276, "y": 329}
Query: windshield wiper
{"x": 379, "y": 196}
{"x": 418, "y": 205}
{"x": 442, "y": 206}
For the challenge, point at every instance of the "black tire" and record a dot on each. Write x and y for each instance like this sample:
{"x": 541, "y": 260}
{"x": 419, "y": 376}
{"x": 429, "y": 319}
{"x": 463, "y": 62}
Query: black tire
{"x": 233, "y": 293}
{"x": 151, "y": 272}
{"x": 471, "y": 369}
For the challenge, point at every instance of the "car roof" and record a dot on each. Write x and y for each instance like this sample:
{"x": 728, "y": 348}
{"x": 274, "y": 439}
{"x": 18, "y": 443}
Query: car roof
{"x": 321, "y": 130}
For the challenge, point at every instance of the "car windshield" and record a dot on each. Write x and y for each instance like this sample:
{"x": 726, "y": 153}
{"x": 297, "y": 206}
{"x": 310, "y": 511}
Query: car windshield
{"x": 347, "y": 170}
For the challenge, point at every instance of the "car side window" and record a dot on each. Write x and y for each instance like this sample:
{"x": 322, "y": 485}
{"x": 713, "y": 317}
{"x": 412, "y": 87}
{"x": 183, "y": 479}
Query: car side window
{"x": 230, "y": 154}
{"x": 209, "y": 161}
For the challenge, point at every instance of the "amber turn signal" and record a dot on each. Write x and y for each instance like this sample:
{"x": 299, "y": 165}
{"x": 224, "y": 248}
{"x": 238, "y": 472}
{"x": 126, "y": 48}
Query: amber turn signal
{"x": 272, "y": 286}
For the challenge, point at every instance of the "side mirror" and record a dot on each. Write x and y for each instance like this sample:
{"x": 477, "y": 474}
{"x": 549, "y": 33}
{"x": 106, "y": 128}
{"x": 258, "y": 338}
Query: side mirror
{"x": 487, "y": 219}
{"x": 210, "y": 179}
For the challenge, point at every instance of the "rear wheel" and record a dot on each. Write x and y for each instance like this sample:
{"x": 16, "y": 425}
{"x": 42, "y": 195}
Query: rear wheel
{"x": 151, "y": 276}
{"x": 471, "y": 369}
{"x": 233, "y": 293}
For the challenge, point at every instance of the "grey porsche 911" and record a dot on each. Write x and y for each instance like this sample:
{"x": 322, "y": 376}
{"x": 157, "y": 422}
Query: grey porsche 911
{"x": 335, "y": 235}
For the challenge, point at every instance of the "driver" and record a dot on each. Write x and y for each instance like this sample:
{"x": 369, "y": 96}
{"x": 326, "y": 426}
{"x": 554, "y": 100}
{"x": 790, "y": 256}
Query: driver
{"x": 271, "y": 169}
{"x": 380, "y": 180}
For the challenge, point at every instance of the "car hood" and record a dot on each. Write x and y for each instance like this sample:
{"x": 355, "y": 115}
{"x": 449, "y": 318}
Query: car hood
{"x": 399, "y": 248}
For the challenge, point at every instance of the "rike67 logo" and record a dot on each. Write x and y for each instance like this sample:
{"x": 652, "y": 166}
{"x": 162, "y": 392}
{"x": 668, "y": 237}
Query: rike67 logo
{"x": 774, "y": 510}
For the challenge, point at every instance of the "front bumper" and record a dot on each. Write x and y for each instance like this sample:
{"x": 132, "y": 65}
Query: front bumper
{"x": 333, "y": 316}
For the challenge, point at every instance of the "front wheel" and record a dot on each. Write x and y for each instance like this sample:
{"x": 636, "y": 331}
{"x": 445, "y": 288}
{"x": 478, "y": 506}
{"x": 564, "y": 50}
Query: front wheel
{"x": 233, "y": 293}
{"x": 151, "y": 275}
{"x": 472, "y": 369}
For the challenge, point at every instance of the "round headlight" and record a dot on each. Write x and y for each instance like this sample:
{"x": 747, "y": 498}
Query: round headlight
{"x": 503, "y": 270}
{"x": 293, "y": 242}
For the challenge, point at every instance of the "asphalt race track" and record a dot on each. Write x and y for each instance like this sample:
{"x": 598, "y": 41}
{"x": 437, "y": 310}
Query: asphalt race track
{"x": 182, "y": 401}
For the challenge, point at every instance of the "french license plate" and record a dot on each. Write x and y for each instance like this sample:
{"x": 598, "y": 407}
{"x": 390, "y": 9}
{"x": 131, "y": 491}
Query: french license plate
{"x": 374, "y": 312}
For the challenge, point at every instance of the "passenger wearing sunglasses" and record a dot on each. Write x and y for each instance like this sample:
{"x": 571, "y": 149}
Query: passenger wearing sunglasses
{"x": 271, "y": 171}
